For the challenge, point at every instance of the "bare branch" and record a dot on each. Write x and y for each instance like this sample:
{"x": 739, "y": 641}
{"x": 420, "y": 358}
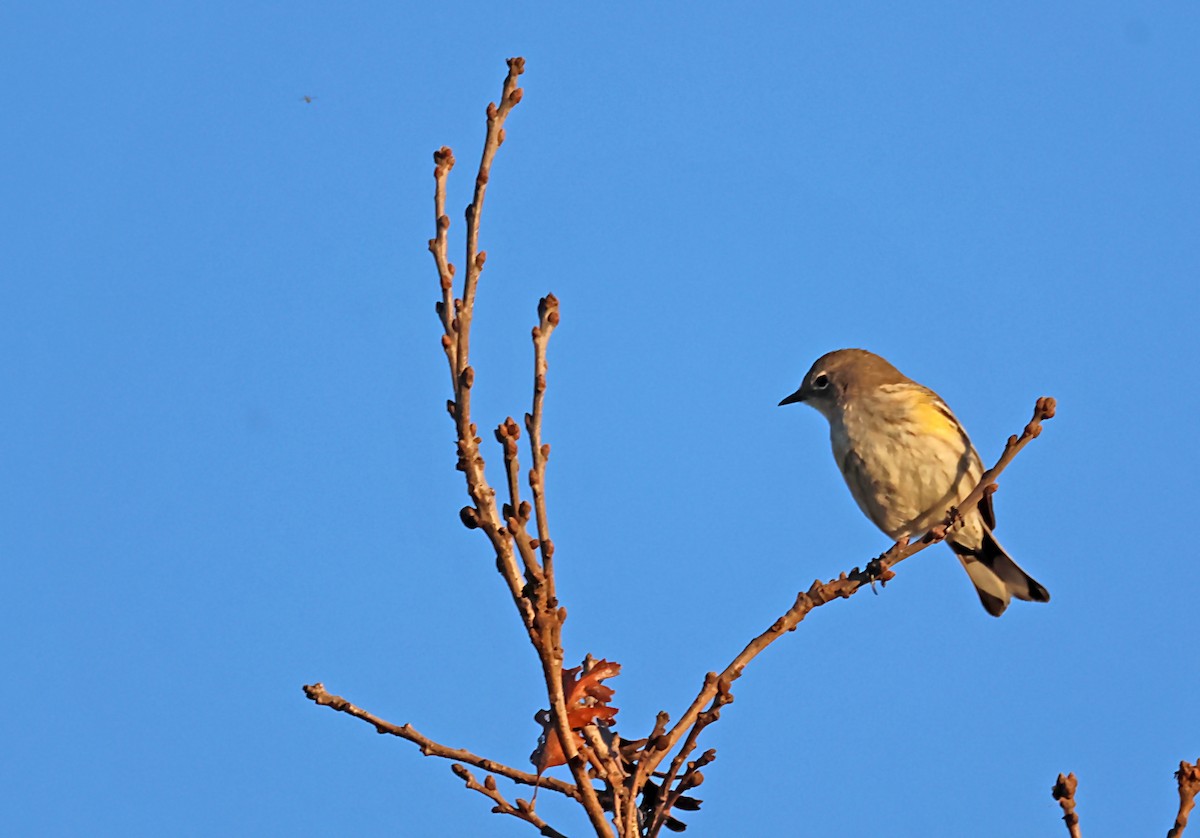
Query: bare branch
{"x": 505, "y": 529}
{"x": 1064, "y": 793}
{"x": 692, "y": 777}
{"x": 548, "y": 318}
{"x": 318, "y": 694}
{"x": 523, "y": 809}
{"x": 1188, "y": 777}
{"x": 516, "y": 511}
{"x": 510, "y": 95}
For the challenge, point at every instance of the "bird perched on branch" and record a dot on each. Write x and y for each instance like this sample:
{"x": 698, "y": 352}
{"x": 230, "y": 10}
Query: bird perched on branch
{"x": 907, "y": 461}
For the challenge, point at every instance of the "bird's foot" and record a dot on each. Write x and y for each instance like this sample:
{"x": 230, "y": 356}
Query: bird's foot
{"x": 879, "y": 568}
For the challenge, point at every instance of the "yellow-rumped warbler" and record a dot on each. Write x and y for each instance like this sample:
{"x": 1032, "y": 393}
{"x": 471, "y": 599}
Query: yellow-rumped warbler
{"x": 907, "y": 461}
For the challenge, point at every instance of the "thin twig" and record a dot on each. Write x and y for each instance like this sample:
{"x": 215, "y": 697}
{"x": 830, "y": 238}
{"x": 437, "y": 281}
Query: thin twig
{"x": 548, "y": 318}
{"x": 843, "y": 587}
{"x": 1064, "y": 793}
{"x": 517, "y": 511}
{"x": 532, "y": 597}
{"x": 443, "y": 160}
{"x": 523, "y": 809}
{"x": 1188, "y": 777}
{"x": 690, "y": 779}
{"x": 318, "y": 694}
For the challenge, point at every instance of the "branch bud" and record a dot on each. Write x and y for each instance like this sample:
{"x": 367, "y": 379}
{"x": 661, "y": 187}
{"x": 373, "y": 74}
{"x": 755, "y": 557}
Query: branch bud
{"x": 470, "y": 517}
{"x": 546, "y": 305}
{"x": 443, "y": 160}
{"x": 489, "y": 782}
{"x": 524, "y": 510}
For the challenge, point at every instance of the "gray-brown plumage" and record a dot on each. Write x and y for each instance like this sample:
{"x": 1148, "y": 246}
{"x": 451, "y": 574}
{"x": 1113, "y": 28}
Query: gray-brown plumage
{"x": 907, "y": 460}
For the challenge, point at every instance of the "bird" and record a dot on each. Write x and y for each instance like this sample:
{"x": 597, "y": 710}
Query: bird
{"x": 907, "y": 461}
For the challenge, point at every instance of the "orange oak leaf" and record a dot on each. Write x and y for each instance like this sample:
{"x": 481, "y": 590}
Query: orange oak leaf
{"x": 587, "y": 703}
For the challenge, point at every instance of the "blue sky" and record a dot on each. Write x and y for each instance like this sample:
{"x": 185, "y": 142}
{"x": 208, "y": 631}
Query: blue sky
{"x": 226, "y": 469}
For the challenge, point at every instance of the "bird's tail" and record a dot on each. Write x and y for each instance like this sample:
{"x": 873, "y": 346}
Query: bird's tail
{"x": 996, "y": 577}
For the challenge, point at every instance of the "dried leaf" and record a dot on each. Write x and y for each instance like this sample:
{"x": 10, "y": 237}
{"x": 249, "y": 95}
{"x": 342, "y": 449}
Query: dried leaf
{"x": 587, "y": 703}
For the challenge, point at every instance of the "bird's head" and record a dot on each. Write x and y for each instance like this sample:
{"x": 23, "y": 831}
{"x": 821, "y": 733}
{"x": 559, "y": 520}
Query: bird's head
{"x": 840, "y": 375}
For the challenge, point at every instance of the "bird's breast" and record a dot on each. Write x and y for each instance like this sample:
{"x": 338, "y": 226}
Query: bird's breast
{"x": 902, "y": 468}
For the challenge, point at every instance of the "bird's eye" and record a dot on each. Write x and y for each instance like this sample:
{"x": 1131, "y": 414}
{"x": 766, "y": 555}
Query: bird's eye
{"x": 821, "y": 382}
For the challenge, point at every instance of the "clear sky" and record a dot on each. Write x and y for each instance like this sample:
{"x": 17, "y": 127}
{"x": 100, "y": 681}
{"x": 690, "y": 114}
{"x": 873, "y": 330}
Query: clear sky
{"x": 226, "y": 468}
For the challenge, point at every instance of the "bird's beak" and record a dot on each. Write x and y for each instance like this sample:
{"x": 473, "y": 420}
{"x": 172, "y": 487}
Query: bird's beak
{"x": 797, "y": 396}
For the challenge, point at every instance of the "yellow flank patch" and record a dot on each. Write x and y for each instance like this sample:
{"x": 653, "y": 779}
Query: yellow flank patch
{"x": 934, "y": 418}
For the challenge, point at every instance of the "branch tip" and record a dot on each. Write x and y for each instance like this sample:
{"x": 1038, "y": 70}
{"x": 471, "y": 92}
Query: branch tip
{"x": 1064, "y": 792}
{"x": 1188, "y": 778}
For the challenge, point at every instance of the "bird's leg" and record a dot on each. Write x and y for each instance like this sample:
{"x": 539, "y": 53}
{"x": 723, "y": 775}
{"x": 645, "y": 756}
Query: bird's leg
{"x": 879, "y": 567}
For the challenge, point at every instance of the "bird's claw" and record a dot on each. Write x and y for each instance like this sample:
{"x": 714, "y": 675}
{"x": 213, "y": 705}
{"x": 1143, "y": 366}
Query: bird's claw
{"x": 879, "y": 568}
